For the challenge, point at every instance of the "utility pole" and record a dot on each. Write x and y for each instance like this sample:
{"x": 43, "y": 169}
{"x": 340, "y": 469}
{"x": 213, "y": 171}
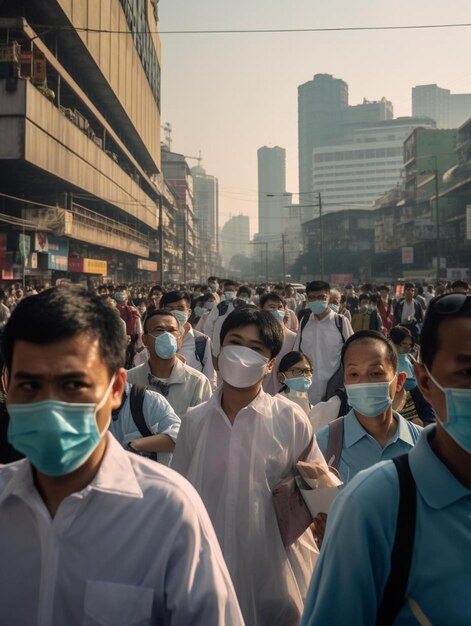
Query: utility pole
{"x": 283, "y": 259}
{"x": 437, "y": 227}
{"x": 321, "y": 236}
{"x": 161, "y": 240}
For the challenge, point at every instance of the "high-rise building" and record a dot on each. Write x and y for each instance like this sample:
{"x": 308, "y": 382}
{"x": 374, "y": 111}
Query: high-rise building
{"x": 80, "y": 147}
{"x": 447, "y": 109}
{"x": 206, "y": 205}
{"x": 235, "y": 238}
{"x": 321, "y": 104}
{"x": 271, "y": 190}
{"x": 352, "y": 174}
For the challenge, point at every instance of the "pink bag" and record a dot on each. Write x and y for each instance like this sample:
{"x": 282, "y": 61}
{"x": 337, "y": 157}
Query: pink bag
{"x": 292, "y": 513}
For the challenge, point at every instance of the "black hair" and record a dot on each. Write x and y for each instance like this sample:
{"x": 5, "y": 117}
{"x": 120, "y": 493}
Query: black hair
{"x": 161, "y": 313}
{"x": 229, "y": 283}
{"x": 429, "y": 337}
{"x": 290, "y": 359}
{"x": 61, "y": 313}
{"x": 269, "y": 329}
{"x": 206, "y": 297}
{"x": 459, "y": 284}
{"x": 398, "y": 334}
{"x": 383, "y": 288}
{"x": 317, "y": 285}
{"x": 279, "y": 287}
{"x": 174, "y": 296}
{"x": 363, "y": 335}
{"x": 273, "y": 297}
{"x": 212, "y": 279}
{"x": 364, "y": 296}
{"x": 157, "y": 288}
{"x": 409, "y": 286}
{"x": 244, "y": 289}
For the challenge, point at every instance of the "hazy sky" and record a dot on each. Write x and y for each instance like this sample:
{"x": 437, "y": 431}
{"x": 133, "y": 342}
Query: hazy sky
{"x": 229, "y": 94}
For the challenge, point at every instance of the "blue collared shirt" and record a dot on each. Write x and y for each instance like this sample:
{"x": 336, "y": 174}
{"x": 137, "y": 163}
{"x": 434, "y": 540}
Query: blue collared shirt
{"x": 351, "y": 574}
{"x": 360, "y": 450}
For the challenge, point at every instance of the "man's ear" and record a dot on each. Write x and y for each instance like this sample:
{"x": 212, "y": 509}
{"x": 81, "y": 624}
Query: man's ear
{"x": 401, "y": 379}
{"x": 271, "y": 365}
{"x": 118, "y": 387}
{"x": 423, "y": 380}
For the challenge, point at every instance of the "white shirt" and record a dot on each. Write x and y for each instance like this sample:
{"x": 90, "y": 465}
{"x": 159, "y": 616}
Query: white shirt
{"x": 324, "y": 412}
{"x": 322, "y": 343}
{"x": 209, "y": 325}
{"x": 187, "y": 386}
{"x": 133, "y": 547}
{"x": 159, "y": 417}
{"x": 235, "y": 467}
{"x": 298, "y": 397}
{"x": 271, "y": 384}
{"x": 408, "y": 311}
{"x": 188, "y": 350}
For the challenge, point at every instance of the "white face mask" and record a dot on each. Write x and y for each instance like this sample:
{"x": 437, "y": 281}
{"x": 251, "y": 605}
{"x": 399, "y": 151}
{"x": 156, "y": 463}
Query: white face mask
{"x": 241, "y": 367}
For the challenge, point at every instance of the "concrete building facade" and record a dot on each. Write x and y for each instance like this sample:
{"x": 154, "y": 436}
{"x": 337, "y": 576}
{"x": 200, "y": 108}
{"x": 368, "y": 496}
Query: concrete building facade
{"x": 235, "y": 238}
{"x": 271, "y": 190}
{"x": 449, "y": 110}
{"x": 80, "y": 122}
{"x": 206, "y": 205}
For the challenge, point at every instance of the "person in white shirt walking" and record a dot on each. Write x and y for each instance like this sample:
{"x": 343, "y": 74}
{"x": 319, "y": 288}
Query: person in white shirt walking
{"x": 321, "y": 336}
{"x": 196, "y": 346}
{"x": 164, "y": 372}
{"x": 90, "y": 533}
{"x": 235, "y": 449}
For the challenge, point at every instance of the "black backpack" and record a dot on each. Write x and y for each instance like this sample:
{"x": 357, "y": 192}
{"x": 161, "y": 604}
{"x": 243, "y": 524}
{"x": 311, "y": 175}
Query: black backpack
{"x": 136, "y": 404}
{"x": 200, "y": 348}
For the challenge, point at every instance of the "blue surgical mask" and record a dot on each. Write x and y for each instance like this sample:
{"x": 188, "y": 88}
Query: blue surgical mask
{"x": 318, "y": 306}
{"x": 334, "y": 307}
{"x": 458, "y": 411}
{"x": 298, "y": 383}
{"x": 409, "y": 384}
{"x": 229, "y": 295}
{"x": 278, "y": 314}
{"x": 165, "y": 346}
{"x": 57, "y": 437}
{"x": 119, "y": 296}
{"x": 404, "y": 365}
{"x": 199, "y": 311}
{"x": 209, "y": 305}
{"x": 213, "y": 287}
{"x": 369, "y": 399}
{"x": 182, "y": 316}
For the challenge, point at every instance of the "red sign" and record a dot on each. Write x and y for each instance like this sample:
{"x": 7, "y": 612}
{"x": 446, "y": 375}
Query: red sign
{"x": 75, "y": 265}
{"x": 338, "y": 279}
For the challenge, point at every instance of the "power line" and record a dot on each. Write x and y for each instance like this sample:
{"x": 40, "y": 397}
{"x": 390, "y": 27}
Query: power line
{"x": 256, "y": 30}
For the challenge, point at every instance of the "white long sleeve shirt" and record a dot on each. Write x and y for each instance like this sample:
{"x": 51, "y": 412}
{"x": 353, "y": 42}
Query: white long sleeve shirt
{"x": 235, "y": 467}
{"x": 134, "y": 547}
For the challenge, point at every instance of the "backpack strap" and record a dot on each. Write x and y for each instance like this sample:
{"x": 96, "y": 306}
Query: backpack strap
{"x": 136, "y": 401}
{"x": 339, "y": 324}
{"x": 343, "y": 397}
{"x": 304, "y": 320}
{"x": 401, "y": 554}
{"x": 200, "y": 347}
{"x": 335, "y": 443}
{"x": 222, "y": 307}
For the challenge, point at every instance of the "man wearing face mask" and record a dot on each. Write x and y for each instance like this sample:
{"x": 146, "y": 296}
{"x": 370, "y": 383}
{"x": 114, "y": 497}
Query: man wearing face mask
{"x": 352, "y": 582}
{"x": 276, "y": 306}
{"x": 196, "y": 346}
{"x": 223, "y": 309}
{"x": 367, "y": 317}
{"x": 235, "y": 449}
{"x": 79, "y": 516}
{"x": 321, "y": 336}
{"x": 164, "y": 372}
{"x": 371, "y": 431}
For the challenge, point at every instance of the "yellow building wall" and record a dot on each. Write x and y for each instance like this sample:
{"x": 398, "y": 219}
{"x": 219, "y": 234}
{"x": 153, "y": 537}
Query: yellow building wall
{"x": 119, "y": 62}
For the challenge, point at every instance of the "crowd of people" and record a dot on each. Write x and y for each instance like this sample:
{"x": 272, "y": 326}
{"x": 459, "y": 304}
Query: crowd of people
{"x": 155, "y": 438}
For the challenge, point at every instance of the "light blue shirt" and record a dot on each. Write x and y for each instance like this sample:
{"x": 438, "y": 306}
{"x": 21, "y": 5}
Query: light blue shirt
{"x": 159, "y": 416}
{"x": 360, "y": 450}
{"x": 354, "y": 565}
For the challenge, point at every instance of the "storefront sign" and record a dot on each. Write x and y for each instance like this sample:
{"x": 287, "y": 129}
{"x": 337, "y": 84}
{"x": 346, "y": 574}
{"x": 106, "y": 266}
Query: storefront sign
{"x": 88, "y": 266}
{"x": 145, "y": 264}
{"x": 57, "y": 262}
{"x": 24, "y": 245}
{"x": 339, "y": 279}
{"x": 407, "y": 255}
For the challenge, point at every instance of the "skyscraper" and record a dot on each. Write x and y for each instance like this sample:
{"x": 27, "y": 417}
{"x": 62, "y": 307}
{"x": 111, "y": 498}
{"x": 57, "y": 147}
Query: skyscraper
{"x": 271, "y": 187}
{"x": 447, "y": 109}
{"x": 321, "y": 103}
{"x": 206, "y": 205}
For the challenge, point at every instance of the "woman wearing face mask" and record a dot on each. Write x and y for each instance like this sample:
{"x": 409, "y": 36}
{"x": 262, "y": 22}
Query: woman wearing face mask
{"x": 372, "y": 431}
{"x": 207, "y": 302}
{"x": 409, "y": 400}
{"x": 295, "y": 376}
